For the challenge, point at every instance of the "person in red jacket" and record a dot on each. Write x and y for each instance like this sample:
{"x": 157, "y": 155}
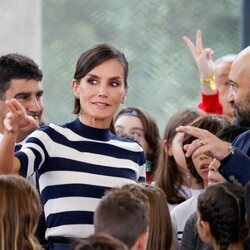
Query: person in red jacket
{"x": 213, "y": 77}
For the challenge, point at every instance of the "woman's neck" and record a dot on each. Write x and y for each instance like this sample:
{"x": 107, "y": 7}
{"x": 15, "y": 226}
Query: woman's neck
{"x": 95, "y": 123}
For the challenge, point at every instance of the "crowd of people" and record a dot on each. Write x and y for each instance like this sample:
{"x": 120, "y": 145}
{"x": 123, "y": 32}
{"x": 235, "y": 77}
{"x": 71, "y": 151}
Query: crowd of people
{"x": 107, "y": 180}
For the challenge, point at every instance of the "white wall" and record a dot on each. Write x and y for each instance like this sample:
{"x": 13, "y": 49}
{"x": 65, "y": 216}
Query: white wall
{"x": 21, "y": 28}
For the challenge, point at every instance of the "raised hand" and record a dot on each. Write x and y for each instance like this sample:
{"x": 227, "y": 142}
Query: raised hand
{"x": 202, "y": 57}
{"x": 17, "y": 118}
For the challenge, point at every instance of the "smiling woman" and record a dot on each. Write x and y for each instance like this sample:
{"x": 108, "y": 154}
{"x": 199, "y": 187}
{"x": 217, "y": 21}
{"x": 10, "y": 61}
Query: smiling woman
{"x": 78, "y": 161}
{"x": 100, "y": 93}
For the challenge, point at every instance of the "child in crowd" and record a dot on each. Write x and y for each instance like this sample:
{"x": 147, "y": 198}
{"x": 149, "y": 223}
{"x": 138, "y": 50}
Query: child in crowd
{"x": 133, "y": 122}
{"x": 160, "y": 236}
{"x": 99, "y": 241}
{"x": 172, "y": 175}
{"x": 20, "y": 209}
{"x": 191, "y": 239}
{"x": 124, "y": 214}
{"x": 221, "y": 217}
{"x": 198, "y": 168}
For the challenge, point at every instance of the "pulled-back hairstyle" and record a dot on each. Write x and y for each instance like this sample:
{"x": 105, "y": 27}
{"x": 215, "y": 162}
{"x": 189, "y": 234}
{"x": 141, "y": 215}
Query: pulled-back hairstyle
{"x": 168, "y": 176}
{"x": 160, "y": 234}
{"x": 19, "y": 213}
{"x": 93, "y": 57}
{"x": 99, "y": 241}
{"x": 151, "y": 133}
{"x": 123, "y": 213}
{"x": 16, "y": 66}
{"x": 212, "y": 123}
{"x": 222, "y": 206}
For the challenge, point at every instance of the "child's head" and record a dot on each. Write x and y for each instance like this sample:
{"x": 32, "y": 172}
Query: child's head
{"x": 221, "y": 215}
{"x": 20, "y": 209}
{"x": 138, "y": 123}
{"x": 172, "y": 162}
{"x": 124, "y": 214}
{"x": 160, "y": 228}
{"x": 198, "y": 166}
{"x": 99, "y": 241}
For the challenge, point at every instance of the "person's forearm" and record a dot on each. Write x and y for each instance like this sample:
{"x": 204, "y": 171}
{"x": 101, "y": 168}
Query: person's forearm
{"x": 7, "y": 147}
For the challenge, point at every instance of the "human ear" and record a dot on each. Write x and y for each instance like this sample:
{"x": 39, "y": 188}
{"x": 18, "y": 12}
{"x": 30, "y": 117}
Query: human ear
{"x": 124, "y": 96}
{"x": 167, "y": 148}
{"x": 205, "y": 228}
{"x": 75, "y": 87}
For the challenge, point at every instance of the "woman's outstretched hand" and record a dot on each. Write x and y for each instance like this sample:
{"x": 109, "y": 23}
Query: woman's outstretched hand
{"x": 17, "y": 118}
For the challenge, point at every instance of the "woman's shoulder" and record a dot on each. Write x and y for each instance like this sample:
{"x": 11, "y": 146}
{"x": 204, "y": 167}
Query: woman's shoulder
{"x": 126, "y": 143}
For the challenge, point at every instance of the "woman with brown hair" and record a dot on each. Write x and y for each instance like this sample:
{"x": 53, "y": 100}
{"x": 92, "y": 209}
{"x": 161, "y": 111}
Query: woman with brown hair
{"x": 78, "y": 161}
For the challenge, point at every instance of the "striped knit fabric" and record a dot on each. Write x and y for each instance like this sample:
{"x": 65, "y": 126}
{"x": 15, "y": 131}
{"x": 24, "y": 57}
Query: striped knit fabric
{"x": 76, "y": 164}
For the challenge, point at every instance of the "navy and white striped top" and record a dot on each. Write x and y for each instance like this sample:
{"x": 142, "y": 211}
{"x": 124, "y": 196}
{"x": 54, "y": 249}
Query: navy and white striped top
{"x": 76, "y": 164}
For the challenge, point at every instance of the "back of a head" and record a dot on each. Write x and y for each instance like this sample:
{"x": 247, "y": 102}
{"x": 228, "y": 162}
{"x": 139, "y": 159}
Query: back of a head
{"x": 99, "y": 241}
{"x": 229, "y": 58}
{"x": 19, "y": 213}
{"x": 16, "y": 66}
{"x": 223, "y": 207}
{"x": 160, "y": 229}
{"x": 123, "y": 213}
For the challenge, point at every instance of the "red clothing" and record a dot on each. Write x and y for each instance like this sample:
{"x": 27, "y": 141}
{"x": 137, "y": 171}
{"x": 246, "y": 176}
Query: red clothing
{"x": 211, "y": 104}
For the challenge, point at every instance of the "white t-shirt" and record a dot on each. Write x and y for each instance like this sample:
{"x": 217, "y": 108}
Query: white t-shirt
{"x": 181, "y": 213}
{"x": 186, "y": 192}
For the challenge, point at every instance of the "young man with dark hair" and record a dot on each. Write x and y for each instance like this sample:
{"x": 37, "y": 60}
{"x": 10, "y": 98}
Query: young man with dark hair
{"x": 124, "y": 214}
{"x": 20, "y": 78}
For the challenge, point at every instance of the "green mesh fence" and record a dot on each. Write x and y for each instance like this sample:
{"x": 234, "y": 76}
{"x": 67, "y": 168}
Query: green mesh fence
{"x": 163, "y": 77}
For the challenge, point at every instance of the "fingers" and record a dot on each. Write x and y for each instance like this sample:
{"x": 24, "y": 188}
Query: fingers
{"x": 15, "y": 107}
{"x": 193, "y": 147}
{"x": 199, "y": 45}
{"x": 190, "y": 45}
{"x": 17, "y": 118}
{"x": 31, "y": 121}
{"x": 196, "y": 132}
{"x": 9, "y": 126}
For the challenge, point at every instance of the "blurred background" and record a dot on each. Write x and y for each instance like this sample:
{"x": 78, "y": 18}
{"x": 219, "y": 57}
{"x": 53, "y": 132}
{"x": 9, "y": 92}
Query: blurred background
{"x": 163, "y": 77}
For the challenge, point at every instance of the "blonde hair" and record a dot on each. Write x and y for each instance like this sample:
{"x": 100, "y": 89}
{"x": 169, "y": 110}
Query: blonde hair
{"x": 20, "y": 209}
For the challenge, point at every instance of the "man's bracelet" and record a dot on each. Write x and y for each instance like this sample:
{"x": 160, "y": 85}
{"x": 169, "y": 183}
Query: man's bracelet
{"x": 210, "y": 81}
